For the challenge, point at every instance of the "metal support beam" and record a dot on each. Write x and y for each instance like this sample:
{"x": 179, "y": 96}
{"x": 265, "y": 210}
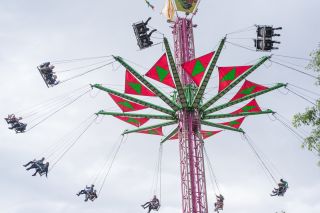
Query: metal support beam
{"x": 149, "y": 127}
{"x": 133, "y": 115}
{"x": 170, "y": 135}
{"x": 220, "y": 126}
{"x": 207, "y": 76}
{"x": 144, "y": 103}
{"x": 156, "y": 91}
{"x": 176, "y": 77}
{"x": 217, "y": 108}
{"x": 218, "y": 116}
{"x": 234, "y": 83}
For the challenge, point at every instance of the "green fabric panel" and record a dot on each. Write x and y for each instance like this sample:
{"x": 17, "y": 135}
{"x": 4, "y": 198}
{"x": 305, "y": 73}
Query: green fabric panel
{"x": 230, "y": 76}
{"x": 248, "y": 91}
{"x": 248, "y": 108}
{"x": 126, "y": 104}
{"x": 198, "y": 68}
{"x": 136, "y": 87}
{"x": 162, "y": 73}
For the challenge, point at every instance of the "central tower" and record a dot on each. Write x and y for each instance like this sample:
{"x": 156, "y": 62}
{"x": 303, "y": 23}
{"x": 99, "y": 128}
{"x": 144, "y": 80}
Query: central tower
{"x": 193, "y": 182}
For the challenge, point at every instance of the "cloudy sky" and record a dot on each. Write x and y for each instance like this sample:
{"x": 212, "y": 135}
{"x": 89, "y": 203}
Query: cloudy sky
{"x": 36, "y": 31}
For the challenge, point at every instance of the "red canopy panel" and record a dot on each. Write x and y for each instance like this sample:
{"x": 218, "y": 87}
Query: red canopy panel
{"x": 161, "y": 72}
{"x": 228, "y": 74}
{"x": 248, "y": 88}
{"x": 135, "y": 87}
{"x": 235, "y": 123}
{"x": 154, "y": 131}
{"x": 207, "y": 134}
{"x": 196, "y": 68}
{"x": 133, "y": 121}
{"x": 125, "y": 105}
{"x": 252, "y": 106}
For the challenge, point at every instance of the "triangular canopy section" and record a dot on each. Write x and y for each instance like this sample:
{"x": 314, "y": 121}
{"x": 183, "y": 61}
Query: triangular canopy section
{"x": 235, "y": 123}
{"x": 125, "y": 105}
{"x": 196, "y": 68}
{"x": 135, "y": 87}
{"x": 161, "y": 72}
{"x": 252, "y": 106}
{"x": 207, "y": 134}
{"x": 228, "y": 74}
{"x": 133, "y": 121}
{"x": 174, "y": 137}
{"x": 248, "y": 88}
{"x": 154, "y": 131}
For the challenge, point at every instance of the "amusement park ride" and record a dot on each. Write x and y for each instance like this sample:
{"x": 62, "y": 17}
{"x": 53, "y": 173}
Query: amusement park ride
{"x": 188, "y": 75}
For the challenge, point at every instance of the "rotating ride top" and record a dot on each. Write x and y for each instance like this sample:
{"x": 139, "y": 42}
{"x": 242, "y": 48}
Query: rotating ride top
{"x": 186, "y": 109}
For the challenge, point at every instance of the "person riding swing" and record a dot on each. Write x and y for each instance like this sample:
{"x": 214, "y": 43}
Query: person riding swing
{"x": 219, "y": 204}
{"x": 154, "y": 204}
{"x": 39, "y": 166}
{"x": 282, "y": 188}
{"x": 89, "y": 192}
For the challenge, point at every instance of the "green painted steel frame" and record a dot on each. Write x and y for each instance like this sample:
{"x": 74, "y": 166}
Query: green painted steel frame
{"x": 144, "y": 103}
{"x": 177, "y": 81}
{"x": 218, "y": 116}
{"x": 162, "y": 96}
{"x": 220, "y": 126}
{"x": 170, "y": 135}
{"x": 233, "y": 84}
{"x": 134, "y": 115}
{"x": 149, "y": 127}
{"x": 217, "y": 108}
{"x": 205, "y": 80}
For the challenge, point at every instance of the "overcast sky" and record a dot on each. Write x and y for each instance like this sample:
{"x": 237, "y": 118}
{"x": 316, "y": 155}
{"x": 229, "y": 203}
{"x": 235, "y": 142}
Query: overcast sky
{"x": 32, "y": 32}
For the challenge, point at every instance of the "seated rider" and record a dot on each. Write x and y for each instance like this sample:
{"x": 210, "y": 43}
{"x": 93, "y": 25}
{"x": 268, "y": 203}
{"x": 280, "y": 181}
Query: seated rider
{"x": 20, "y": 128}
{"x": 219, "y": 204}
{"x": 282, "y": 188}
{"x": 154, "y": 204}
{"x": 39, "y": 165}
{"x": 11, "y": 119}
{"x": 92, "y": 196}
{"x": 89, "y": 192}
{"x": 46, "y": 68}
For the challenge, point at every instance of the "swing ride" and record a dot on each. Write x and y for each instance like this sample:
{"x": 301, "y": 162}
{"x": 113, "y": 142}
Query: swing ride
{"x": 186, "y": 109}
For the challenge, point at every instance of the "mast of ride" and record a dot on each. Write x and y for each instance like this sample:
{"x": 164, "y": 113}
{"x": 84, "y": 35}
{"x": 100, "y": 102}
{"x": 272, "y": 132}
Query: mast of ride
{"x": 193, "y": 182}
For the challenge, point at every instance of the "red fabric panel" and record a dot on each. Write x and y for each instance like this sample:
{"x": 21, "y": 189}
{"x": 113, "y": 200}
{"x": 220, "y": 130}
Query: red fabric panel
{"x": 235, "y": 124}
{"x": 133, "y": 121}
{"x": 228, "y": 74}
{"x": 155, "y": 131}
{"x": 125, "y": 105}
{"x": 207, "y": 134}
{"x": 161, "y": 72}
{"x": 135, "y": 87}
{"x": 248, "y": 88}
{"x": 252, "y": 106}
{"x": 196, "y": 68}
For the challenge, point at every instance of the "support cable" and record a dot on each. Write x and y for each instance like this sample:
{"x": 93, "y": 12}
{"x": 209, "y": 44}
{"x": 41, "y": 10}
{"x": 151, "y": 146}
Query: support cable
{"x": 259, "y": 158}
{"x": 53, "y": 113}
{"x": 103, "y": 168}
{"x": 309, "y": 91}
{"x": 73, "y": 143}
{"x": 27, "y": 112}
{"x": 294, "y": 69}
{"x": 300, "y": 96}
{"x": 294, "y": 57}
{"x": 213, "y": 177}
{"x": 82, "y": 67}
{"x": 241, "y": 46}
{"x": 91, "y": 70}
{"x": 111, "y": 164}
{"x": 79, "y": 59}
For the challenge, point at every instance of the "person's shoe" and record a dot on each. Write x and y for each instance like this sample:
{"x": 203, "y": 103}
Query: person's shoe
{"x": 34, "y": 175}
